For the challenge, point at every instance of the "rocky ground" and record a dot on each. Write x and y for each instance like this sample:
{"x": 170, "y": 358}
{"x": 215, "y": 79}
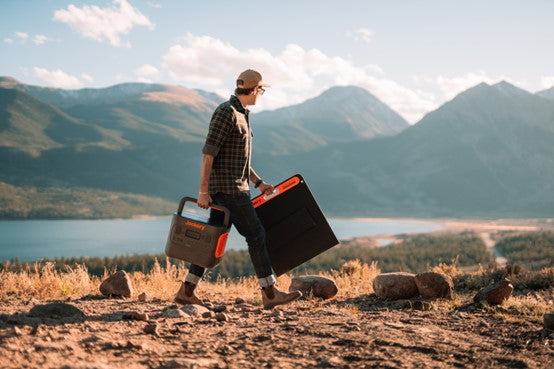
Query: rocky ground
{"x": 357, "y": 332}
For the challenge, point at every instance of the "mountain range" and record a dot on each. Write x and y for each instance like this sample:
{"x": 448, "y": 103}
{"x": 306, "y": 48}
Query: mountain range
{"x": 488, "y": 152}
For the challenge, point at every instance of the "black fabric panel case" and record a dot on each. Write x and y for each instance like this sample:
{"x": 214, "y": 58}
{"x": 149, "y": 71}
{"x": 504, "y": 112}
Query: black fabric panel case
{"x": 295, "y": 226}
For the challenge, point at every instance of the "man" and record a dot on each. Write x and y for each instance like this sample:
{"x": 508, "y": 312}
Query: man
{"x": 224, "y": 180}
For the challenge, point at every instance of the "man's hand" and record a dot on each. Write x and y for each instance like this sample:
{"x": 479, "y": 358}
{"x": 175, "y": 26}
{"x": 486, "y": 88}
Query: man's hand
{"x": 204, "y": 200}
{"x": 266, "y": 188}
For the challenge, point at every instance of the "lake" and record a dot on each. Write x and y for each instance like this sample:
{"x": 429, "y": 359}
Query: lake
{"x": 31, "y": 240}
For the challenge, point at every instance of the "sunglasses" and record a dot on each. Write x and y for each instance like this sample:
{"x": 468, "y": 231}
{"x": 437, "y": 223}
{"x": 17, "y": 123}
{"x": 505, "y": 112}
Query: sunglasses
{"x": 261, "y": 90}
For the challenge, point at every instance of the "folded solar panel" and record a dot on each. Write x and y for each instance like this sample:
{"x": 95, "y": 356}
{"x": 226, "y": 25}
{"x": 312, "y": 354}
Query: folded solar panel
{"x": 295, "y": 226}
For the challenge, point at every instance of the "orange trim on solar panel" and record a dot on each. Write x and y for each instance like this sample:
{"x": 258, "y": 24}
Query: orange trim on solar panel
{"x": 282, "y": 187}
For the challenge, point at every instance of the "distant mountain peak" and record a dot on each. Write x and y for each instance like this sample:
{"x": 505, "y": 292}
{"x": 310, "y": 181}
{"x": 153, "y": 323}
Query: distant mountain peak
{"x": 503, "y": 84}
{"x": 483, "y": 89}
{"x": 547, "y": 94}
{"x": 508, "y": 88}
{"x": 8, "y": 82}
{"x": 343, "y": 92}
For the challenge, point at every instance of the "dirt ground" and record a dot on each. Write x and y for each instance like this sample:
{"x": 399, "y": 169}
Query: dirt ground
{"x": 362, "y": 332}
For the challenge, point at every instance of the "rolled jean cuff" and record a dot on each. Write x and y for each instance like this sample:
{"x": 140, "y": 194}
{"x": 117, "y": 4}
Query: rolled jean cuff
{"x": 267, "y": 281}
{"x": 193, "y": 278}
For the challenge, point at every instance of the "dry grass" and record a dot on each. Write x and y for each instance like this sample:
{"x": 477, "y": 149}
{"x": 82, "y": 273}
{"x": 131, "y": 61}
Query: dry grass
{"x": 44, "y": 282}
{"x": 354, "y": 279}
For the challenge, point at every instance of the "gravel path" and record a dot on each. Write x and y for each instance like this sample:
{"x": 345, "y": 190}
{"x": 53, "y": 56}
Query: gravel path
{"x": 352, "y": 333}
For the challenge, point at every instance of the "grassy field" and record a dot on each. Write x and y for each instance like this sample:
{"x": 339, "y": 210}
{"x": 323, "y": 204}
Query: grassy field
{"x": 534, "y": 250}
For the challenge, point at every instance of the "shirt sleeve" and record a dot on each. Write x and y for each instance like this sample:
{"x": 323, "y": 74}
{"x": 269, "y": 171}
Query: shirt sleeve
{"x": 220, "y": 126}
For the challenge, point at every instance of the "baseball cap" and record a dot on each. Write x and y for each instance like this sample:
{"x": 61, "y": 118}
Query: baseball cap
{"x": 250, "y": 79}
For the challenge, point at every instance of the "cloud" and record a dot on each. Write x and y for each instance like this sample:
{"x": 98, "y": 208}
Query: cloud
{"x": 296, "y": 74}
{"x": 40, "y": 39}
{"x": 57, "y": 78}
{"x": 154, "y": 5}
{"x": 22, "y": 35}
{"x": 8, "y": 40}
{"x": 87, "y": 77}
{"x": 547, "y": 81}
{"x": 104, "y": 24}
{"x": 363, "y": 35}
{"x": 146, "y": 72}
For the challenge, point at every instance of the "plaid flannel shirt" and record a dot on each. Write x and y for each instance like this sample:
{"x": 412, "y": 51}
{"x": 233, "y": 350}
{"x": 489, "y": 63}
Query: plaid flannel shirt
{"x": 229, "y": 140}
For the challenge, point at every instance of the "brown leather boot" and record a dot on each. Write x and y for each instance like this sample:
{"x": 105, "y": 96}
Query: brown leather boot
{"x": 271, "y": 297}
{"x": 186, "y": 295}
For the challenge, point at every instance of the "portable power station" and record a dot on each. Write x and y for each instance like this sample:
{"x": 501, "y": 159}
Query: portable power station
{"x": 196, "y": 240}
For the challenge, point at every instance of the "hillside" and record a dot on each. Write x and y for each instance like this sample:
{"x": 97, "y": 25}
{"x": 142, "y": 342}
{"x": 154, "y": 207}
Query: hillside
{"x": 32, "y": 126}
{"x": 548, "y": 93}
{"x": 151, "y": 143}
{"x": 29, "y": 202}
{"x": 340, "y": 114}
{"x": 488, "y": 152}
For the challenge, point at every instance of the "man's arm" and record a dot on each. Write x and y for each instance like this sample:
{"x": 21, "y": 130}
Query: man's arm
{"x": 204, "y": 198}
{"x": 265, "y": 188}
{"x": 254, "y": 177}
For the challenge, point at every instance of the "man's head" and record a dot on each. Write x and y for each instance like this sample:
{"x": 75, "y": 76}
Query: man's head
{"x": 250, "y": 86}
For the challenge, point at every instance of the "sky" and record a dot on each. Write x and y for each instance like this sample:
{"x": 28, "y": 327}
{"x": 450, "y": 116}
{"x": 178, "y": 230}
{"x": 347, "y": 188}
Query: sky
{"x": 412, "y": 55}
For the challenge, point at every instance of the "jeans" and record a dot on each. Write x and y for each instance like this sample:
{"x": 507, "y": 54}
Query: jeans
{"x": 247, "y": 223}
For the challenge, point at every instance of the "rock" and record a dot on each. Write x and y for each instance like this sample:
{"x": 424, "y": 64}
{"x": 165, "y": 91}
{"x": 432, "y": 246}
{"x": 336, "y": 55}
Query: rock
{"x": 245, "y": 307}
{"x": 174, "y": 313}
{"x": 549, "y": 321}
{"x": 208, "y": 314}
{"x": 118, "y": 284}
{"x": 194, "y": 310}
{"x": 36, "y": 329}
{"x": 143, "y": 297}
{"x": 219, "y": 308}
{"x": 329, "y": 362}
{"x": 238, "y": 300}
{"x": 56, "y": 310}
{"x": 394, "y": 286}
{"x": 16, "y": 331}
{"x": 134, "y": 345}
{"x": 421, "y": 305}
{"x": 93, "y": 338}
{"x": 312, "y": 284}
{"x": 87, "y": 366}
{"x": 433, "y": 285}
{"x": 495, "y": 294}
{"x": 221, "y": 317}
{"x": 135, "y": 315}
{"x": 152, "y": 328}
{"x": 191, "y": 363}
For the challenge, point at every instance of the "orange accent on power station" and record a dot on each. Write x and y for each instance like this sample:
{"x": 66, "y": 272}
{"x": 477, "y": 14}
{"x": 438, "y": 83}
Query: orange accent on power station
{"x": 282, "y": 187}
{"x": 220, "y": 249}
